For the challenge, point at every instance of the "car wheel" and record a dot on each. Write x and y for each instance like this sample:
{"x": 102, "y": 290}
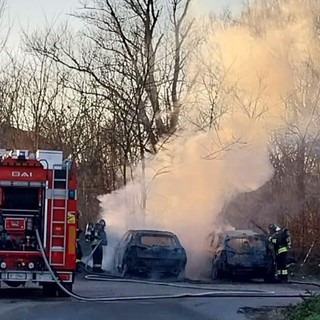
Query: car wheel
{"x": 50, "y": 289}
{"x": 124, "y": 270}
{"x": 62, "y": 293}
{"x": 269, "y": 277}
{"x": 116, "y": 267}
{"x": 215, "y": 273}
{"x": 181, "y": 276}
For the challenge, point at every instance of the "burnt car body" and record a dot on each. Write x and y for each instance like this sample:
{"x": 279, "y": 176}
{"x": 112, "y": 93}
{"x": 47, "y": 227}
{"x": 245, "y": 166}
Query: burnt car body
{"x": 242, "y": 252}
{"x": 150, "y": 251}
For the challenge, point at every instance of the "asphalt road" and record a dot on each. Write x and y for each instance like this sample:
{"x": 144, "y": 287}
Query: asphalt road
{"x": 28, "y": 303}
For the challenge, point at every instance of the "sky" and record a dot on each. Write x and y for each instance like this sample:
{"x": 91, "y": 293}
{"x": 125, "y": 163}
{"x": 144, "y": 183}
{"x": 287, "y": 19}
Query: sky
{"x": 32, "y": 14}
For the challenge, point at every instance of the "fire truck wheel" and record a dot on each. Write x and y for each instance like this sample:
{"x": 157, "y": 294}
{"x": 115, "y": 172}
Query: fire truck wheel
{"x": 50, "y": 289}
{"x": 61, "y": 293}
{"x": 14, "y": 284}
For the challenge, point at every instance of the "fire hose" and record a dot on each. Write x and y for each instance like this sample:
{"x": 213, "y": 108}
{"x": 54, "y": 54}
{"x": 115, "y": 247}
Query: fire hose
{"x": 113, "y": 278}
{"x": 91, "y": 254}
{"x": 216, "y": 294}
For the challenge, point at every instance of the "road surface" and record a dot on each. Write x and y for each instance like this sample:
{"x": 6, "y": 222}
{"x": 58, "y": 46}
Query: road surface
{"x": 28, "y": 303}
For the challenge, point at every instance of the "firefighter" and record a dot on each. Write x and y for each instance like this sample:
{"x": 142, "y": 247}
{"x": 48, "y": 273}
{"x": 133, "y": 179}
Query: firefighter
{"x": 78, "y": 248}
{"x": 79, "y": 235}
{"x": 96, "y": 234}
{"x": 281, "y": 242}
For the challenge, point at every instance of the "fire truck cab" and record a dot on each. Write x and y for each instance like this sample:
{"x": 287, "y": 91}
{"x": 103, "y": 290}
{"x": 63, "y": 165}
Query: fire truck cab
{"x": 38, "y": 191}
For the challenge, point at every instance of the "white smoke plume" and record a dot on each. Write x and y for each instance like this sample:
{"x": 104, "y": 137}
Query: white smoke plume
{"x": 190, "y": 180}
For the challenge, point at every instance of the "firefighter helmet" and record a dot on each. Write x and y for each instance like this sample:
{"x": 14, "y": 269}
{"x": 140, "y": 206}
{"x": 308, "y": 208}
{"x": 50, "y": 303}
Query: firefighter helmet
{"x": 273, "y": 228}
{"x": 102, "y": 222}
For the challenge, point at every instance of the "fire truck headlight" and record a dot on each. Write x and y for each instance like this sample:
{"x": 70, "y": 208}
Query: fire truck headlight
{"x": 31, "y": 265}
{"x": 3, "y": 265}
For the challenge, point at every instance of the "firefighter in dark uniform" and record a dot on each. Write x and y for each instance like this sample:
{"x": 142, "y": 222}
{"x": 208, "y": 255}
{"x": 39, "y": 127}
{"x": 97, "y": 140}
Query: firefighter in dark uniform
{"x": 97, "y": 236}
{"x": 79, "y": 234}
{"x": 281, "y": 242}
{"x": 79, "y": 250}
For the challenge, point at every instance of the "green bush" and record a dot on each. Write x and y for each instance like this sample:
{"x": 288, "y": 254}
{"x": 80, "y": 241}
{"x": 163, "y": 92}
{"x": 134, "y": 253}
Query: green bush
{"x": 314, "y": 317}
{"x": 309, "y": 309}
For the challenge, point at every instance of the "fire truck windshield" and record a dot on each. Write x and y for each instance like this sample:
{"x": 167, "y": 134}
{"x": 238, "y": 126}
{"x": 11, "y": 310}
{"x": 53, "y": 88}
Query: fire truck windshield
{"x": 20, "y": 198}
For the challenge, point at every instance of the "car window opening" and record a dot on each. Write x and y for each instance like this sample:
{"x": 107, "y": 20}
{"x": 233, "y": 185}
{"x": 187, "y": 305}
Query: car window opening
{"x": 245, "y": 243}
{"x": 161, "y": 241}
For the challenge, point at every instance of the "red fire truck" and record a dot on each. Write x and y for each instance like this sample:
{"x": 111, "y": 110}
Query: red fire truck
{"x": 38, "y": 191}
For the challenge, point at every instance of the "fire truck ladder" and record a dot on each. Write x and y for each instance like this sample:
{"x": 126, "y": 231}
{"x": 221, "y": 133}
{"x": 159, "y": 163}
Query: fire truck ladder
{"x": 58, "y": 224}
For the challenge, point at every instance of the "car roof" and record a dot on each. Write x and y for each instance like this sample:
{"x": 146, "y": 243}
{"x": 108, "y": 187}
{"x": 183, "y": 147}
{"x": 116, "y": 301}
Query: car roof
{"x": 147, "y": 231}
{"x": 240, "y": 233}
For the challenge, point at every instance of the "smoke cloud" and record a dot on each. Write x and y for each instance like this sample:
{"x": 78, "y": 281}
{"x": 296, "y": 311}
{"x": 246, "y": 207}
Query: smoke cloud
{"x": 190, "y": 180}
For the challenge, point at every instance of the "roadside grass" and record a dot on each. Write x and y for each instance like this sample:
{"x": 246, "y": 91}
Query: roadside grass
{"x": 309, "y": 309}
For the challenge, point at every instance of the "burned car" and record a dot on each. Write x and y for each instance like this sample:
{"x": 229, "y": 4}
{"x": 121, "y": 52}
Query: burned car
{"x": 242, "y": 252}
{"x": 148, "y": 252}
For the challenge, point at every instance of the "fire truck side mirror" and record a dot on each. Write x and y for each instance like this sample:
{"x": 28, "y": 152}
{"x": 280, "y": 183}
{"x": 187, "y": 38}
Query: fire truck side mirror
{"x": 68, "y": 163}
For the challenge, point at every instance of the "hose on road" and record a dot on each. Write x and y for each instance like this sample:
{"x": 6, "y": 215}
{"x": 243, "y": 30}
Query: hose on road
{"x": 305, "y": 283}
{"x": 210, "y": 294}
{"x": 112, "y": 278}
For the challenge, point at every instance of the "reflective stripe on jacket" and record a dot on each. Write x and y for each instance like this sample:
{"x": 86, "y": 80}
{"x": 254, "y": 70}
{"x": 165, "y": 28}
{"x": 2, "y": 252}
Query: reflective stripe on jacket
{"x": 282, "y": 250}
